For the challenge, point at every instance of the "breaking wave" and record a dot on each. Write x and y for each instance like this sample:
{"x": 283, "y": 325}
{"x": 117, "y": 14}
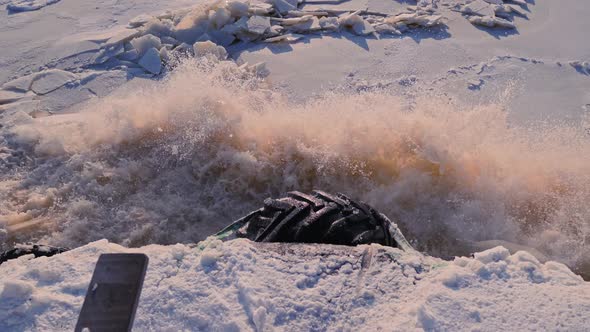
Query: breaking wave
{"x": 175, "y": 160}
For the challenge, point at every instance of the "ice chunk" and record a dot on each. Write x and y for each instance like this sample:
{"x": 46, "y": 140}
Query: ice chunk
{"x": 218, "y": 18}
{"x": 159, "y": 28}
{"x": 292, "y": 20}
{"x": 151, "y": 61}
{"x": 140, "y": 20}
{"x": 289, "y": 38}
{"x": 329, "y": 23}
{"x": 191, "y": 26}
{"x": 258, "y": 24}
{"x": 274, "y": 31}
{"x": 28, "y": 5}
{"x": 7, "y": 97}
{"x": 491, "y": 22}
{"x": 129, "y": 55}
{"x": 478, "y": 7}
{"x": 308, "y": 26}
{"x": 236, "y": 27}
{"x": 208, "y": 48}
{"x": 107, "y": 53}
{"x": 357, "y": 24}
{"x": 184, "y": 48}
{"x": 237, "y": 8}
{"x": 169, "y": 40}
{"x": 164, "y": 54}
{"x": 418, "y": 19}
{"x": 221, "y": 37}
{"x": 260, "y": 8}
{"x": 21, "y": 84}
{"x": 122, "y": 36}
{"x": 282, "y": 6}
{"x": 299, "y": 13}
{"x": 144, "y": 43}
{"x": 386, "y": 29}
{"x": 51, "y": 80}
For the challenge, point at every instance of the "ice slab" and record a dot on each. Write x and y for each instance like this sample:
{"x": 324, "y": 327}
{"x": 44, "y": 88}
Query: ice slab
{"x": 144, "y": 43}
{"x": 151, "y": 61}
{"x": 289, "y": 38}
{"x": 51, "y": 80}
{"x": 258, "y": 24}
{"x": 122, "y": 36}
{"x": 21, "y": 84}
{"x": 208, "y": 48}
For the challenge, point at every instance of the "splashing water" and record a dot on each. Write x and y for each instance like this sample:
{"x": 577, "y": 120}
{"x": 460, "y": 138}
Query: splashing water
{"x": 178, "y": 159}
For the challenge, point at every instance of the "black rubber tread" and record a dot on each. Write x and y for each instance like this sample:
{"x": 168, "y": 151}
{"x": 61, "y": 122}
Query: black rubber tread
{"x": 34, "y": 249}
{"x": 318, "y": 217}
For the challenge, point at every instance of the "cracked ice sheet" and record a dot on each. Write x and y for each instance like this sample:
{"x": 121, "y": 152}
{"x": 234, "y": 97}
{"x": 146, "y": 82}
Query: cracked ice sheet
{"x": 240, "y": 285}
{"x": 27, "y": 39}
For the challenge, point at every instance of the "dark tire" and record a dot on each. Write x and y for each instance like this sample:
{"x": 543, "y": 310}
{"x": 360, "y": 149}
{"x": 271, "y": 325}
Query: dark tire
{"x": 35, "y": 249}
{"x": 317, "y": 218}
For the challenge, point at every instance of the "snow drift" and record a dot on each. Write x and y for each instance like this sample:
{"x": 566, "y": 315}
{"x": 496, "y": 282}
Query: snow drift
{"x": 241, "y": 285}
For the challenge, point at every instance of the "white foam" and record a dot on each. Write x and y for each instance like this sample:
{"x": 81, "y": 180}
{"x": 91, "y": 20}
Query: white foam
{"x": 178, "y": 159}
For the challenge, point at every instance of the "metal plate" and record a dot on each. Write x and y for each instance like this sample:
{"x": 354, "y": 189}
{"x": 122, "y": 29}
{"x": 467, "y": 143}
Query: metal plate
{"x": 113, "y": 293}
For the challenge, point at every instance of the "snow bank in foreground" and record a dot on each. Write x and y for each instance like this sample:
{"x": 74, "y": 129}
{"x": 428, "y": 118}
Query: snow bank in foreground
{"x": 28, "y": 5}
{"x": 240, "y": 285}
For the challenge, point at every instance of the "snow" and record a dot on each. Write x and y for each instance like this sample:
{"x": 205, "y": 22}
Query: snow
{"x": 248, "y": 286}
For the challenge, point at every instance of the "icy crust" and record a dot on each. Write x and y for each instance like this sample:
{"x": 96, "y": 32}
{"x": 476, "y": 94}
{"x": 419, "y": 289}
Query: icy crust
{"x": 241, "y": 285}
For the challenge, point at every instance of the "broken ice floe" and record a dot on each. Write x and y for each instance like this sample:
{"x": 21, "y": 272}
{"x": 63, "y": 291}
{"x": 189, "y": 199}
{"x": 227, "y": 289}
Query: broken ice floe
{"x": 149, "y": 42}
{"x": 219, "y": 24}
{"x": 492, "y": 13}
